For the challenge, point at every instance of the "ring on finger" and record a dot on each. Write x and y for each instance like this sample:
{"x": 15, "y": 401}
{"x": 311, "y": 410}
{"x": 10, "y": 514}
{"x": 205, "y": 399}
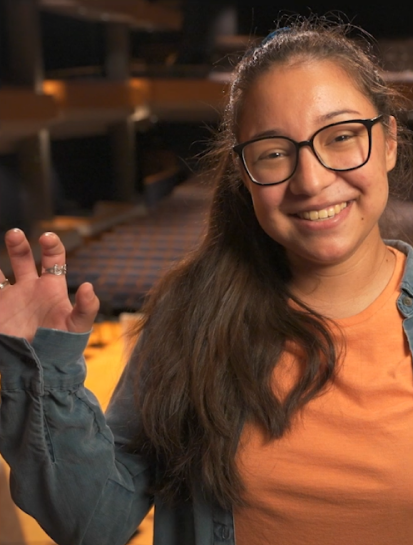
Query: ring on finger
{"x": 4, "y": 284}
{"x": 57, "y": 270}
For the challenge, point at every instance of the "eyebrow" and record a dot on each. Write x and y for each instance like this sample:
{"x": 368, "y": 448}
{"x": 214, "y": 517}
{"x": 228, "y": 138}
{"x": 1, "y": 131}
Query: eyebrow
{"x": 335, "y": 113}
{"x": 322, "y": 118}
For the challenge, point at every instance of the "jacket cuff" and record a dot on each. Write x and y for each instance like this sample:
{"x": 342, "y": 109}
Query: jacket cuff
{"x": 53, "y": 360}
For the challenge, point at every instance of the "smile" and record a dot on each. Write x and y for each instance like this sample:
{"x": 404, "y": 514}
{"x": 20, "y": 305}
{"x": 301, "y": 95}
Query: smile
{"x": 324, "y": 214}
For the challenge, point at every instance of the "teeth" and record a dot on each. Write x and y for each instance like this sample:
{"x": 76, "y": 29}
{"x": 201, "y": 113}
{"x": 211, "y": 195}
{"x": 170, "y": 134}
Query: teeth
{"x": 315, "y": 215}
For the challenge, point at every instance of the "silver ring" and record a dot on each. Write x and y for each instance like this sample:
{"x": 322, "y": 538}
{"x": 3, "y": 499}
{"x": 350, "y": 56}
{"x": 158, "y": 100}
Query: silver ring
{"x": 57, "y": 270}
{"x": 5, "y": 283}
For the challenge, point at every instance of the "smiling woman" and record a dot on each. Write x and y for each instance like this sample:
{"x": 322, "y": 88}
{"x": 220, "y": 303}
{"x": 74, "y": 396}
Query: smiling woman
{"x": 269, "y": 398}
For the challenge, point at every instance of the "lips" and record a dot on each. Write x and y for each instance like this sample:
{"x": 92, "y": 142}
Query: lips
{"x": 324, "y": 213}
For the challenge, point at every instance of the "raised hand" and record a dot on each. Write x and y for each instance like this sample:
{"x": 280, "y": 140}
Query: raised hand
{"x": 35, "y": 301}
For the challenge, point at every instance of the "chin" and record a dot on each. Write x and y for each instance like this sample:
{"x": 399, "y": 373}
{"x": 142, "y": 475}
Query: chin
{"x": 325, "y": 255}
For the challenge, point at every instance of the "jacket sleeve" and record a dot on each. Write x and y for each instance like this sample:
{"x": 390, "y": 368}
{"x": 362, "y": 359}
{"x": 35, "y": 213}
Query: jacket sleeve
{"x": 70, "y": 468}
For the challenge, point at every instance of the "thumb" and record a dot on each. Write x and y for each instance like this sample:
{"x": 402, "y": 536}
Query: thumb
{"x": 84, "y": 310}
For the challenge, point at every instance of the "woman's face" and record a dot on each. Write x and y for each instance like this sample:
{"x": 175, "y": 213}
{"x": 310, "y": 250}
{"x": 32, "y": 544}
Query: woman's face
{"x": 295, "y": 101}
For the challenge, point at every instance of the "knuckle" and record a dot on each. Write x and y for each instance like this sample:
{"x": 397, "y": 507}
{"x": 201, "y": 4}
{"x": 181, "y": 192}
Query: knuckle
{"x": 20, "y": 250}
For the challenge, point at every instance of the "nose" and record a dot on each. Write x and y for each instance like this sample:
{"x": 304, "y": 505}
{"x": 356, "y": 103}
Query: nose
{"x": 310, "y": 177}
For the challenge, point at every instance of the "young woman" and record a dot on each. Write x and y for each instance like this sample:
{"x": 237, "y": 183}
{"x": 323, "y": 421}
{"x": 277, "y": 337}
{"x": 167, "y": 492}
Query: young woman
{"x": 270, "y": 396}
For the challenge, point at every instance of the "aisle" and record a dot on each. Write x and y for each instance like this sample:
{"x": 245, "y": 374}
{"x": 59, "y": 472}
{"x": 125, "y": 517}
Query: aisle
{"x": 125, "y": 262}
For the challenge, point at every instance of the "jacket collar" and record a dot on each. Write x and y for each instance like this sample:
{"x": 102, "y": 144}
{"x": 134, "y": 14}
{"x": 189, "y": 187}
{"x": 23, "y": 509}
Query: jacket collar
{"x": 405, "y": 300}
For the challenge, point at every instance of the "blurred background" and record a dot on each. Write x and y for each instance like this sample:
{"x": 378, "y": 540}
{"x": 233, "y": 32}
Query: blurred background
{"x": 106, "y": 107}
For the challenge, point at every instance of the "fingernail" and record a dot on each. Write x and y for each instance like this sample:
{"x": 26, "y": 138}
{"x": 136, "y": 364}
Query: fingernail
{"x": 91, "y": 293}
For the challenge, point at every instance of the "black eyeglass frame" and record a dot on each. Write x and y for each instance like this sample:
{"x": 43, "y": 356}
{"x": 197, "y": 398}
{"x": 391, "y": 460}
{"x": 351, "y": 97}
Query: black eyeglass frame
{"x": 368, "y": 123}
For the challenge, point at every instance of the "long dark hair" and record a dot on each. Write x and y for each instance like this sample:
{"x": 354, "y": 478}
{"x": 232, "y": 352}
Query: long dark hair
{"x": 216, "y": 326}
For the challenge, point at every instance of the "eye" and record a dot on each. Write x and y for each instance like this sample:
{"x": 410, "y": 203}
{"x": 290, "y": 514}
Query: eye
{"x": 272, "y": 151}
{"x": 271, "y": 155}
{"x": 341, "y": 135}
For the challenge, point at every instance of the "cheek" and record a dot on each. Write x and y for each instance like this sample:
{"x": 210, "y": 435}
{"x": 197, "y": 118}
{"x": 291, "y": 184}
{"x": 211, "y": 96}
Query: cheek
{"x": 374, "y": 191}
{"x": 372, "y": 178}
{"x": 267, "y": 202}
{"x": 266, "y": 199}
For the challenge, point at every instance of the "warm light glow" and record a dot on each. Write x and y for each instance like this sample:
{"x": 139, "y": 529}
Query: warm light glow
{"x": 55, "y": 88}
{"x": 141, "y": 113}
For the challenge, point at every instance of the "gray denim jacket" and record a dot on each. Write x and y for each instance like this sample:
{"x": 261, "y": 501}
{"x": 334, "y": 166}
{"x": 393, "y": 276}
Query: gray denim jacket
{"x": 70, "y": 468}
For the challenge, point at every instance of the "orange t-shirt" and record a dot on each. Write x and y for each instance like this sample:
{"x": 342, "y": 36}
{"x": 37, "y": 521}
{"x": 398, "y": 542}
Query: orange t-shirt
{"x": 343, "y": 474}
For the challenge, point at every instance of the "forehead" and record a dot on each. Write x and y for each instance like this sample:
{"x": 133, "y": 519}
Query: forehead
{"x": 297, "y": 99}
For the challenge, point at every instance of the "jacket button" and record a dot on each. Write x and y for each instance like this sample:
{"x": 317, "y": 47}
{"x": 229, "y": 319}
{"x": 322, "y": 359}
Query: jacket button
{"x": 225, "y": 533}
{"x": 407, "y": 301}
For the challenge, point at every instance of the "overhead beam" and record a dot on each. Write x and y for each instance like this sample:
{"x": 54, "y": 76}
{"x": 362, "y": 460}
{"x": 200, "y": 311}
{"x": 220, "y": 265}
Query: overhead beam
{"x": 139, "y": 14}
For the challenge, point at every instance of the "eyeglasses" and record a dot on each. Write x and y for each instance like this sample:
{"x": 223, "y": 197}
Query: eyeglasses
{"x": 342, "y": 146}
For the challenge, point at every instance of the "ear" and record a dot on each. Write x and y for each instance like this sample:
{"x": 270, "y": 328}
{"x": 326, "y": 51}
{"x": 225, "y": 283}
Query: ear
{"x": 391, "y": 144}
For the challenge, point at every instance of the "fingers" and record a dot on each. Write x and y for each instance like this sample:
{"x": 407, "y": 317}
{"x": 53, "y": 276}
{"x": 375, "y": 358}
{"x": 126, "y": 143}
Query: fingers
{"x": 53, "y": 251}
{"x": 78, "y": 319}
{"x": 85, "y": 309}
{"x": 20, "y": 254}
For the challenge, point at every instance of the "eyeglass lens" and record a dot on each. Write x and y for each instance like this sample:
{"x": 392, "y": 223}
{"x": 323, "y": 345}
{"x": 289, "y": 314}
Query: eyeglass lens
{"x": 338, "y": 147}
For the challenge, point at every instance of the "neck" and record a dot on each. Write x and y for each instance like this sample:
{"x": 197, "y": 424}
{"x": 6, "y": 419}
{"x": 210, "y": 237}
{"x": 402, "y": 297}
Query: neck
{"x": 344, "y": 289}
